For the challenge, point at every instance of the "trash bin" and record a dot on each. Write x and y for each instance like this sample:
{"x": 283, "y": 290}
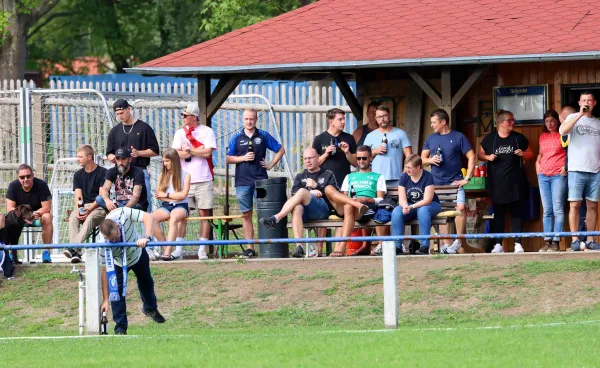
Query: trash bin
{"x": 271, "y": 195}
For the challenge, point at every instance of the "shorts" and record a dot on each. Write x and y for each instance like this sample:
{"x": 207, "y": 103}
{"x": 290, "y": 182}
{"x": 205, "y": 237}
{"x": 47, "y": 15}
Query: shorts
{"x": 583, "y": 185}
{"x": 169, "y": 207}
{"x": 460, "y": 195}
{"x": 316, "y": 209}
{"x": 201, "y": 196}
{"x": 369, "y": 214}
{"x": 245, "y": 195}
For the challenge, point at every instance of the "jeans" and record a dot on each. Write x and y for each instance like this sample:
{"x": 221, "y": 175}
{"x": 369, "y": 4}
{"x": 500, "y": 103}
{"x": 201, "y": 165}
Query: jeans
{"x": 145, "y": 285}
{"x": 553, "y": 190}
{"x": 423, "y": 214}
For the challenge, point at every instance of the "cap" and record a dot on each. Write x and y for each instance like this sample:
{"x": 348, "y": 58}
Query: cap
{"x": 192, "y": 109}
{"x": 120, "y": 104}
{"x": 122, "y": 153}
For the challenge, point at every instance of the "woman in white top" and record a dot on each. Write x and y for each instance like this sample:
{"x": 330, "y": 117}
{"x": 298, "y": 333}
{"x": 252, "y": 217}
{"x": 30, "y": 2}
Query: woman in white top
{"x": 172, "y": 190}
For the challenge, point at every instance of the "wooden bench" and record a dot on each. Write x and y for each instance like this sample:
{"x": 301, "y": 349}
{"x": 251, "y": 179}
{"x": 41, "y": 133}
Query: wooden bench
{"x": 447, "y": 195}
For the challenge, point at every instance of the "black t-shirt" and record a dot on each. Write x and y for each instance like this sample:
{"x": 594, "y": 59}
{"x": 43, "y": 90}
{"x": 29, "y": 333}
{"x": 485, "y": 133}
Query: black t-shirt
{"x": 338, "y": 163}
{"x": 141, "y": 136}
{"x": 323, "y": 178}
{"x": 124, "y": 184}
{"x": 89, "y": 183}
{"x": 39, "y": 193}
{"x": 506, "y": 177}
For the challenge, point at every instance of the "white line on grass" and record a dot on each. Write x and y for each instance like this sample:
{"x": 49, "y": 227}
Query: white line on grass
{"x": 500, "y": 327}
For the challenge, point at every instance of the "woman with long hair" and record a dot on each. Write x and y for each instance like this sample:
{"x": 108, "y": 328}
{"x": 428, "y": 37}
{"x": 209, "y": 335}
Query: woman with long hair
{"x": 504, "y": 150}
{"x": 552, "y": 179}
{"x": 172, "y": 190}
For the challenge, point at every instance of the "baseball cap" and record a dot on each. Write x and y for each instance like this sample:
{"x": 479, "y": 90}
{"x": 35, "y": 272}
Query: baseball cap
{"x": 192, "y": 109}
{"x": 122, "y": 152}
{"x": 121, "y": 104}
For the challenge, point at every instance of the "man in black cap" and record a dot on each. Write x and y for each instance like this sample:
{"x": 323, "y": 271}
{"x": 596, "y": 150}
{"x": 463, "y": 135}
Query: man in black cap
{"x": 136, "y": 136}
{"x": 130, "y": 188}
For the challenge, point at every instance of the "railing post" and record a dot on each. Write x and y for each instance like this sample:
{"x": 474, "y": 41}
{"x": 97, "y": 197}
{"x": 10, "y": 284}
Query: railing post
{"x": 390, "y": 285}
{"x": 92, "y": 292}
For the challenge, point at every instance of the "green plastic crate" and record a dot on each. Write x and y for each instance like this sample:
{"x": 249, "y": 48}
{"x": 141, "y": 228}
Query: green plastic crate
{"x": 476, "y": 183}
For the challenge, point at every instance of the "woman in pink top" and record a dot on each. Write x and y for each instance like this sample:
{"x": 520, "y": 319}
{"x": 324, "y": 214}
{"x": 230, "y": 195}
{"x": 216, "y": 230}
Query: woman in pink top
{"x": 552, "y": 179}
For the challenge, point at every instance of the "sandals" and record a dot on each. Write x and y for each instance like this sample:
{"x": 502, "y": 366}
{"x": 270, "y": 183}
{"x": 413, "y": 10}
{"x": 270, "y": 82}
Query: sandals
{"x": 337, "y": 254}
{"x": 169, "y": 257}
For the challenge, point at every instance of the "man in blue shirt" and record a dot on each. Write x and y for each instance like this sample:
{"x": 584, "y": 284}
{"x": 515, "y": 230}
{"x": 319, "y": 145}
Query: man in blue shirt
{"x": 247, "y": 149}
{"x": 443, "y": 151}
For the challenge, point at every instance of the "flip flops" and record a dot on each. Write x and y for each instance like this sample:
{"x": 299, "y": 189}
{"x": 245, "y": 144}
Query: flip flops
{"x": 169, "y": 257}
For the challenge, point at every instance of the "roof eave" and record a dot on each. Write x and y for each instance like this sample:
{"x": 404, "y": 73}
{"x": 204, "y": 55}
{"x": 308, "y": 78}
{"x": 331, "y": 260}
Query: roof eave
{"x": 365, "y": 64}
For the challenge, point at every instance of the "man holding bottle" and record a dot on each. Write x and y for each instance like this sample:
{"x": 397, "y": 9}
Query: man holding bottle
{"x": 449, "y": 147}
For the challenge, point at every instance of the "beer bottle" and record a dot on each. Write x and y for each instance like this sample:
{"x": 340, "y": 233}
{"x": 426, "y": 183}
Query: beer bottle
{"x": 352, "y": 192}
{"x": 80, "y": 207}
{"x": 104, "y": 324}
{"x": 384, "y": 141}
{"x": 333, "y": 143}
{"x": 439, "y": 154}
{"x": 250, "y": 146}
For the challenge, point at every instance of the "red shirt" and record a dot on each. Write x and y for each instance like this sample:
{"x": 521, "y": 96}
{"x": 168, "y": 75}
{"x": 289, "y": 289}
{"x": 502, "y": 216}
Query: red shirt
{"x": 553, "y": 154}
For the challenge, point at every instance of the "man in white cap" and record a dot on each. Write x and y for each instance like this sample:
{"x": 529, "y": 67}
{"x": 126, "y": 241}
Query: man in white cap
{"x": 195, "y": 143}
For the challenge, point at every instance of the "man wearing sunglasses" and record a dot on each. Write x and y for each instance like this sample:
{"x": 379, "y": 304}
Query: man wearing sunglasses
{"x": 195, "y": 143}
{"x": 35, "y": 192}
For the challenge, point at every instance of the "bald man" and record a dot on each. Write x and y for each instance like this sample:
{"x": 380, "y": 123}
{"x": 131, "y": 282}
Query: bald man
{"x": 315, "y": 194}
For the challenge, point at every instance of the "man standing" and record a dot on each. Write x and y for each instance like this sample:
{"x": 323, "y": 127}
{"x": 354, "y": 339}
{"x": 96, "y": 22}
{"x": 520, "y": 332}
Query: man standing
{"x": 119, "y": 227}
{"x": 34, "y": 192}
{"x": 194, "y": 144}
{"x": 362, "y": 131}
{"x": 583, "y": 167}
{"x": 137, "y": 136}
{"x": 388, "y": 157}
{"x": 86, "y": 214}
{"x": 314, "y": 194}
{"x": 247, "y": 149}
{"x": 443, "y": 151}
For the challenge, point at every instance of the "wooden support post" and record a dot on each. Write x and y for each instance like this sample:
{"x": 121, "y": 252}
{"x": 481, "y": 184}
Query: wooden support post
{"x": 474, "y": 77}
{"x": 413, "y": 113}
{"x": 447, "y": 92}
{"x": 204, "y": 98}
{"x": 351, "y": 100}
{"x": 360, "y": 96}
{"x": 224, "y": 88}
{"x": 428, "y": 89}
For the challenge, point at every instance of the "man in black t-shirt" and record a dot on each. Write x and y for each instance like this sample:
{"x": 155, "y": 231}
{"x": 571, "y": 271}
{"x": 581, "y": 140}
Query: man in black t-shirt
{"x": 315, "y": 194}
{"x": 130, "y": 188}
{"x": 136, "y": 136}
{"x": 34, "y": 192}
{"x": 86, "y": 185}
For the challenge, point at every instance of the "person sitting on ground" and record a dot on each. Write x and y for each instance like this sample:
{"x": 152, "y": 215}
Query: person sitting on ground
{"x": 365, "y": 186}
{"x": 172, "y": 190}
{"x": 314, "y": 195}
{"x": 86, "y": 185}
{"x": 416, "y": 199}
{"x": 119, "y": 227}
{"x": 35, "y": 192}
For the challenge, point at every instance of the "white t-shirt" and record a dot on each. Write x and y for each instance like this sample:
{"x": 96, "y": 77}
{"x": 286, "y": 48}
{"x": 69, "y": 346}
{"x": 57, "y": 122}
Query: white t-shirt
{"x": 170, "y": 189}
{"x": 127, "y": 217}
{"x": 584, "y": 145}
{"x": 390, "y": 164}
{"x": 198, "y": 166}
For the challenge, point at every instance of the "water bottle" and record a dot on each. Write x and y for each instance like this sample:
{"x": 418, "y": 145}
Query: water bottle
{"x": 80, "y": 207}
{"x": 104, "y": 324}
{"x": 439, "y": 154}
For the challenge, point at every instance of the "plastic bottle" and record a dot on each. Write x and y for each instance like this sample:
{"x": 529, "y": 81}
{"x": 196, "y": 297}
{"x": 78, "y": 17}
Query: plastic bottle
{"x": 80, "y": 207}
{"x": 483, "y": 170}
{"x": 476, "y": 173}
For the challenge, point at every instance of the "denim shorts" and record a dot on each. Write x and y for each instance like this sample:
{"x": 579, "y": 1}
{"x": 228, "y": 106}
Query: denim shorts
{"x": 245, "y": 195}
{"x": 584, "y": 185}
{"x": 169, "y": 207}
{"x": 316, "y": 209}
{"x": 460, "y": 195}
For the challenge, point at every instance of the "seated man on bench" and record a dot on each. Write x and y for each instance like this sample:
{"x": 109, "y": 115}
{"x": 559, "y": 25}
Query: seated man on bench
{"x": 314, "y": 194}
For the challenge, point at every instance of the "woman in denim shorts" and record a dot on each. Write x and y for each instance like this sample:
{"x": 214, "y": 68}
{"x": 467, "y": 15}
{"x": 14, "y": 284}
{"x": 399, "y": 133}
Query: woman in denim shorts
{"x": 172, "y": 190}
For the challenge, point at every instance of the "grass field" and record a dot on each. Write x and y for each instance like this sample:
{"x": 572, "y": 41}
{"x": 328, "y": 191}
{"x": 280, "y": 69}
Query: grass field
{"x": 455, "y": 311}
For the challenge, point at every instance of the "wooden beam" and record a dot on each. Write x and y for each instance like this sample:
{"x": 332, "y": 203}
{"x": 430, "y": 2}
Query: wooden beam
{"x": 351, "y": 99}
{"x": 447, "y": 90}
{"x": 474, "y": 77}
{"x": 360, "y": 96}
{"x": 413, "y": 114}
{"x": 204, "y": 98}
{"x": 425, "y": 87}
{"x": 221, "y": 93}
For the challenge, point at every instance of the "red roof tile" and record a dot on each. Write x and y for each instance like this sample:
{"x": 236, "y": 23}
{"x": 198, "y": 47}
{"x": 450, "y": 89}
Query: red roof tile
{"x": 358, "y": 30}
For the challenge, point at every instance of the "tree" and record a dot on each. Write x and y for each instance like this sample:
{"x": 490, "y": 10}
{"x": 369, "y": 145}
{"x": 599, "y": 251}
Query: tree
{"x": 16, "y": 17}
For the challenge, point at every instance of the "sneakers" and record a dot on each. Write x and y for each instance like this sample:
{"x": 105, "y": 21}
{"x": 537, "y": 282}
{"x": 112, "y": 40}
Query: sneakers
{"x": 378, "y": 250}
{"x": 46, "y": 257}
{"x": 299, "y": 252}
{"x": 268, "y": 222}
{"x": 453, "y": 248}
{"x": 178, "y": 252}
{"x": 151, "y": 254}
{"x": 554, "y": 247}
{"x": 545, "y": 247}
{"x": 73, "y": 254}
{"x": 155, "y": 315}
{"x": 498, "y": 248}
{"x": 202, "y": 253}
{"x": 312, "y": 251}
{"x": 592, "y": 245}
{"x": 423, "y": 250}
{"x": 519, "y": 248}
{"x": 249, "y": 253}
{"x": 576, "y": 246}
{"x": 120, "y": 332}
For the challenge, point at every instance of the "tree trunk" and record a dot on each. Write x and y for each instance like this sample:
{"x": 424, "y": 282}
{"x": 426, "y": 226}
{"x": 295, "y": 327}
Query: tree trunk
{"x": 14, "y": 52}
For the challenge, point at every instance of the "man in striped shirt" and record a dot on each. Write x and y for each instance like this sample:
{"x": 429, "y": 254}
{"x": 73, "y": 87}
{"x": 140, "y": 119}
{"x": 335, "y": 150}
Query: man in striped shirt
{"x": 119, "y": 227}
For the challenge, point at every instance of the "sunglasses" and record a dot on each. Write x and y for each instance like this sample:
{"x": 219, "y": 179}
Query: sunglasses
{"x": 358, "y": 158}
{"x": 185, "y": 115}
{"x": 23, "y": 177}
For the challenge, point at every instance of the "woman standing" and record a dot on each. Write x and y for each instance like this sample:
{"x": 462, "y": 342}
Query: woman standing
{"x": 552, "y": 178}
{"x": 416, "y": 198}
{"x": 505, "y": 150}
{"x": 172, "y": 190}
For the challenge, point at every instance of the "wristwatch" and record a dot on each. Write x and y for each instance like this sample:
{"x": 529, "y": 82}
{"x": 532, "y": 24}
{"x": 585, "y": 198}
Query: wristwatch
{"x": 188, "y": 151}
{"x": 467, "y": 178}
{"x": 149, "y": 237}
